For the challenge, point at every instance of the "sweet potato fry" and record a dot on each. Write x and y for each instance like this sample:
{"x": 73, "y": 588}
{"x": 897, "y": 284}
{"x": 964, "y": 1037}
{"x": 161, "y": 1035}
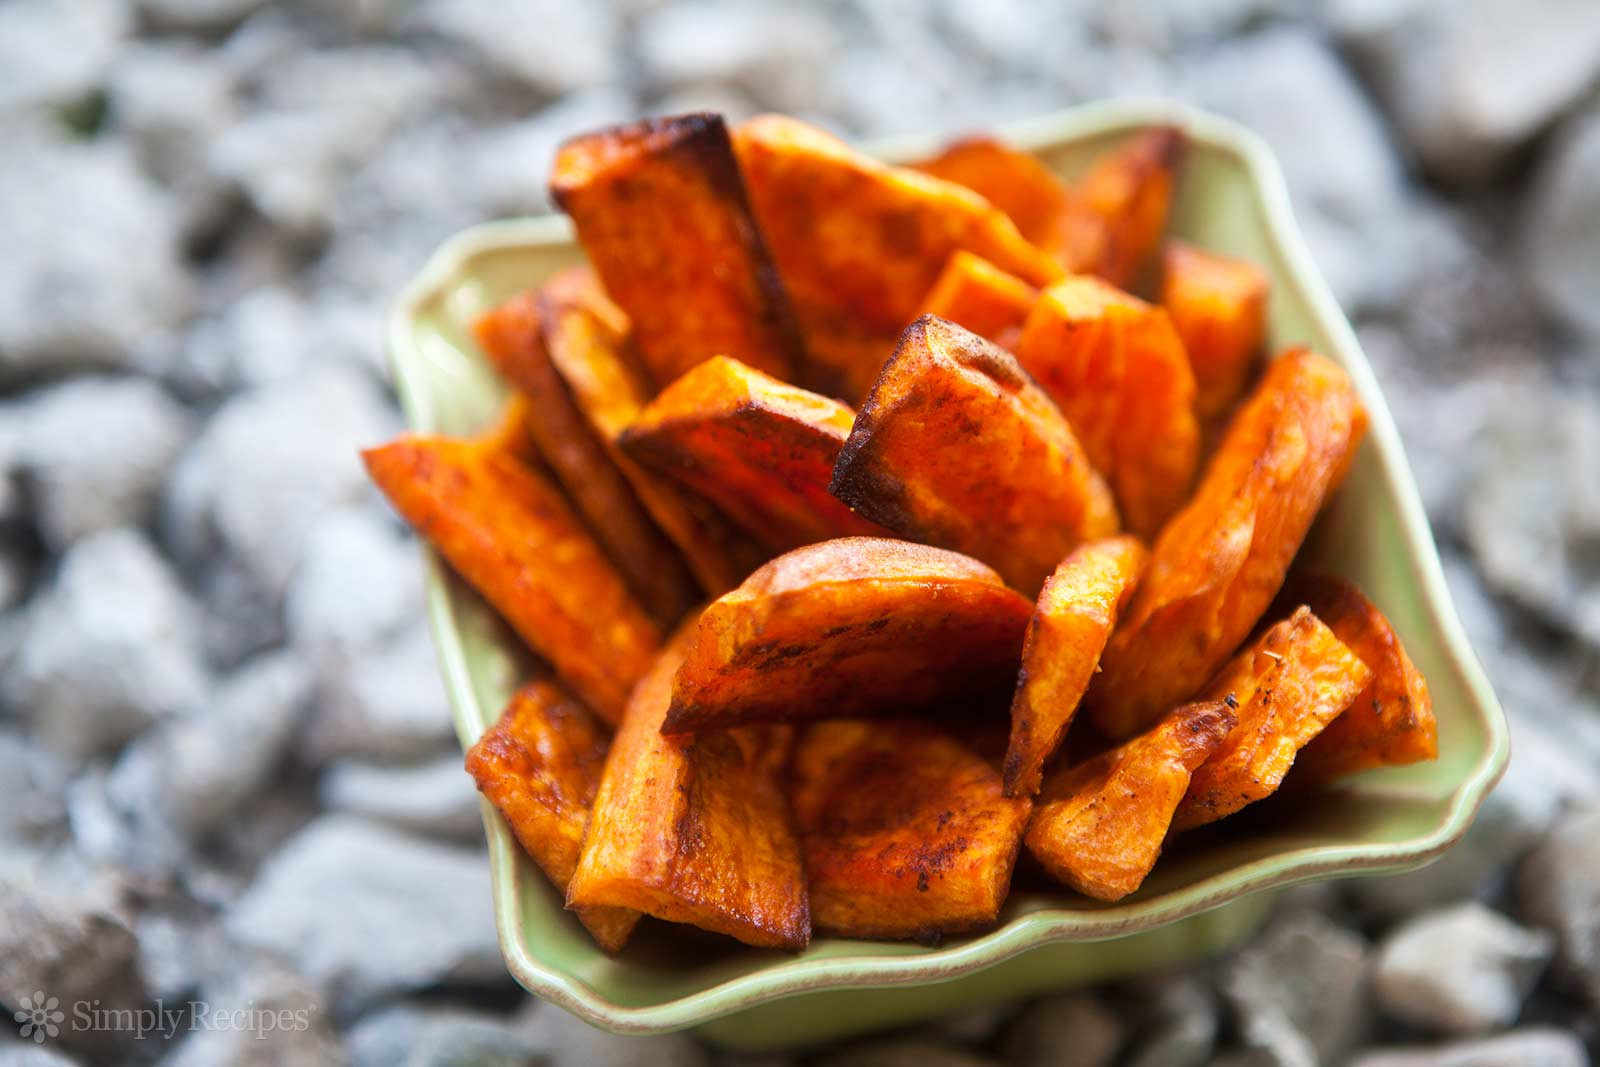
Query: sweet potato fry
{"x": 859, "y": 243}
{"x": 760, "y": 450}
{"x": 855, "y": 626}
{"x": 1288, "y": 686}
{"x": 904, "y": 829}
{"x": 510, "y": 334}
{"x": 1071, "y": 623}
{"x": 1012, "y": 180}
{"x": 661, "y": 209}
{"x": 510, "y": 533}
{"x": 1219, "y": 562}
{"x": 1119, "y": 208}
{"x": 1391, "y": 721}
{"x": 1218, "y": 306}
{"x": 695, "y": 829}
{"x": 1099, "y": 826}
{"x": 976, "y": 294}
{"x": 583, "y": 334}
{"x": 540, "y": 766}
{"x": 956, "y": 446}
{"x": 1115, "y": 367}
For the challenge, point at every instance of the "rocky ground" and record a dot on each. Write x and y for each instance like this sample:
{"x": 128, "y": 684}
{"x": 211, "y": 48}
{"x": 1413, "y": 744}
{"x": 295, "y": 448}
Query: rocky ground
{"x": 223, "y": 736}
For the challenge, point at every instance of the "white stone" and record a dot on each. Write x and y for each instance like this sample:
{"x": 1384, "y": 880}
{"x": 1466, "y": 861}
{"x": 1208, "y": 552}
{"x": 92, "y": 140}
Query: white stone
{"x": 771, "y": 50}
{"x": 197, "y": 14}
{"x": 1534, "y": 1046}
{"x": 56, "y": 53}
{"x": 171, "y": 98}
{"x": 507, "y": 167}
{"x": 357, "y": 586}
{"x": 436, "y": 798}
{"x": 285, "y": 1022}
{"x": 389, "y": 706}
{"x": 1463, "y": 970}
{"x": 1558, "y": 888}
{"x": 1301, "y": 988}
{"x": 1561, "y": 231}
{"x": 407, "y": 1035}
{"x": 553, "y": 46}
{"x": 1075, "y": 1030}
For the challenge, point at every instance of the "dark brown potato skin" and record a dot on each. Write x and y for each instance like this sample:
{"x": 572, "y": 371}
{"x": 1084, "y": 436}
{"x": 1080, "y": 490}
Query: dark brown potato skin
{"x": 539, "y": 765}
{"x": 957, "y": 447}
{"x": 857, "y": 626}
{"x": 661, "y": 209}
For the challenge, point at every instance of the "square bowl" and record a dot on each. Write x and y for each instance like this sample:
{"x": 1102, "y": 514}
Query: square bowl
{"x": 1209, "y": 891}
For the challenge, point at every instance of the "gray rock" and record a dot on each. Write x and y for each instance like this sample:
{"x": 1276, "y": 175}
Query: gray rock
{"x": 1462, "y": 970}
{"x": 95, "y": 453}
{"x": 772, "y": 51}
{"x": 262, "y": 1017}
{"x": 171, "y": 98}
{"x": 505, "y": 167}
{"x": 271, "y": 335}
{"x": 553, "y": 47}
{"x": 55, "y": 54}
{"x": 901, "y": 1052}
{"x": 565, "y": 1038}
{"x": 1529, "y": 1047}
{"x": 1468, "y": 83}
{"x": 29, "y": 1055}
{"x": 1301, "y": 988}
{"x": 197, "y": 15}
{"x": 1075, "y": 1030}
{"x": 406, "y": 1035}
{"x": 37, "y": 785}
{"x": 435, "y": 798}
{"x": 968, "y": 1026}
{"x": 375, "y": 928}
{"x": 182, "y": 953}
{"x": 108, "y": 648}
{"x": 1180, "y": 1027}
{"x": 1558, "y": 888}
{"x": 357, "y": 587}
{"x": 1560, "y": 230}
{"x": 388, "y": 707}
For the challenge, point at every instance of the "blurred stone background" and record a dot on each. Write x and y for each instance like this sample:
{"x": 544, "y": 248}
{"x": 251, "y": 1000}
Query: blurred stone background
{"x": 227, "y": 763}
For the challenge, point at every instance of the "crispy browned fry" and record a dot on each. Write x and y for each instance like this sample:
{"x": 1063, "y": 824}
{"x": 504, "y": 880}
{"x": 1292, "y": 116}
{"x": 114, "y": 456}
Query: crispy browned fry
{"x": 1076, "y": 612}
{"x": 1117, "y": 370}
{"x": 584, "y": 336}
{"x": 1012, "y": 180}
{"x": 974, "y": 293}
{"x": 1289, "y": 684}
{"x": 1099, "y": 826}
{"x": 956, "y": 446}
{"x": 540, "y": 766}
{"x": 509, "y": 532}
{"x": 1219, "y": 561}
{"x": 856, "y": 626}
{"x": 1219, "y": 307}
{"x": 904, "y": 829}
{"x": 695, "y": 829}
{"x": 859, "y": 243}
{"x": 1391, "y": 721}
{"x": 661, "y": 209}
{"x": 510, "y": 334}
{"x": 759, "y": 449}
{"x": 1119, "y": 208}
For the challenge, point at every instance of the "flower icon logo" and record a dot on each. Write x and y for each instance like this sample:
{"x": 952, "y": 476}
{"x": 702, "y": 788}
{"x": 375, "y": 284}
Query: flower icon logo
{"x": 39, "y": 1017}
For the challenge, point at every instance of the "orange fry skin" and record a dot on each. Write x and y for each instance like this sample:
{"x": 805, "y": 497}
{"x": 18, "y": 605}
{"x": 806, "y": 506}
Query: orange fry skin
{"x": 539, "y": 765}
{"x": 859, "y": 243}
{"x": 1218, "y": 305}
{"x": 1289, "y": 685}
{"x": 695, "y": 829}
{"x": 511, "y": 336}
{"x": 1071, "y": 623}
{"x": 1119, "y": 209}
{"x": 1099, "y": 826}
{"x": 509, "y": 532}
{"x": 856, "y": 626}
{"x": 974, "y": 293}
{"x": 905, "y": 831}
{"x": 1391, "y": 722}
{"x": 1012, "y": 180}
{"x": 1218, "y": 563}
{"x": 1115, "y": 367}
{"x": 661, "y": 209}
{"x": 957, "y": 447}
{"x": 759, "y": 449}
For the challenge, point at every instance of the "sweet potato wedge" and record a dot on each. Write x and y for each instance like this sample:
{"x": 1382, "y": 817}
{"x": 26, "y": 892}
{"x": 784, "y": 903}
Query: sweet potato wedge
{"x": 1218, "y": 305}
{"x": 695, "y": 829}
{"x": 1219, "y": 562}
{"x": 585, "y": 337}
{"x": 1099, "y": 826}
{"x": 850, "y": 627}
{"x": 581, "y": 462}
{"x": 904, "y": 829}
{"x": 1115, "y": 367}
{"x": 759, "y": 449}
{"x": 1071, "y": 623}
{"x": 540, "y": 767}
{"x": 1012, "y": 180}
{"x": 660, "y": 207}
{"x": 507, "y": 530}
{"x": 1119, "y": 208}
{"x": 976, "y": 294}
{"x": 859, "y": 243}
{"x": 1288, "y": 685}
{"x": 957, "y": 447}
{"x": 1391, "y": 721}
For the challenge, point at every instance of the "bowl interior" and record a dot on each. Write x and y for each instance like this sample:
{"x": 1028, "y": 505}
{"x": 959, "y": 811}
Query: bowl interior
{"x": 1231, "y": 200}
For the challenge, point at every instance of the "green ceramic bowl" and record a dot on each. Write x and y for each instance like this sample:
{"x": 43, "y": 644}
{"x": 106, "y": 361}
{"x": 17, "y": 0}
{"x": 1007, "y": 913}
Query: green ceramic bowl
{"x": 1206, "y": 894}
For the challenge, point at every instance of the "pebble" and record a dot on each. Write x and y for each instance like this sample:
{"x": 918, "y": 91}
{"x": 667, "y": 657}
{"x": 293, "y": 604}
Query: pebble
{"x": 770, "y": 50}
{"x": 1530, "y": 1047}
{"x": 1558, "y": 889}
{"x": 436, "y": 798}
{"x": 358, "y": 586}
{"x": 567, "y": 1039}
{"x": 1462, "y": 970}
{"x": 1560, "y": 231}
{"x": 550, "y": 46}
{"x": 902, "y": 1052}
{"x": 387, "y": 707}
{"x": 1075, "y": 1030}
{"x": 406, "y": 1035}
{"x": 283, "y": 1017}
{"x": 56, "y": 54}
{"x": 1178, "y": 1024}
{"x": 1301, "y": 988}
{"x": 36, "y": 786}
